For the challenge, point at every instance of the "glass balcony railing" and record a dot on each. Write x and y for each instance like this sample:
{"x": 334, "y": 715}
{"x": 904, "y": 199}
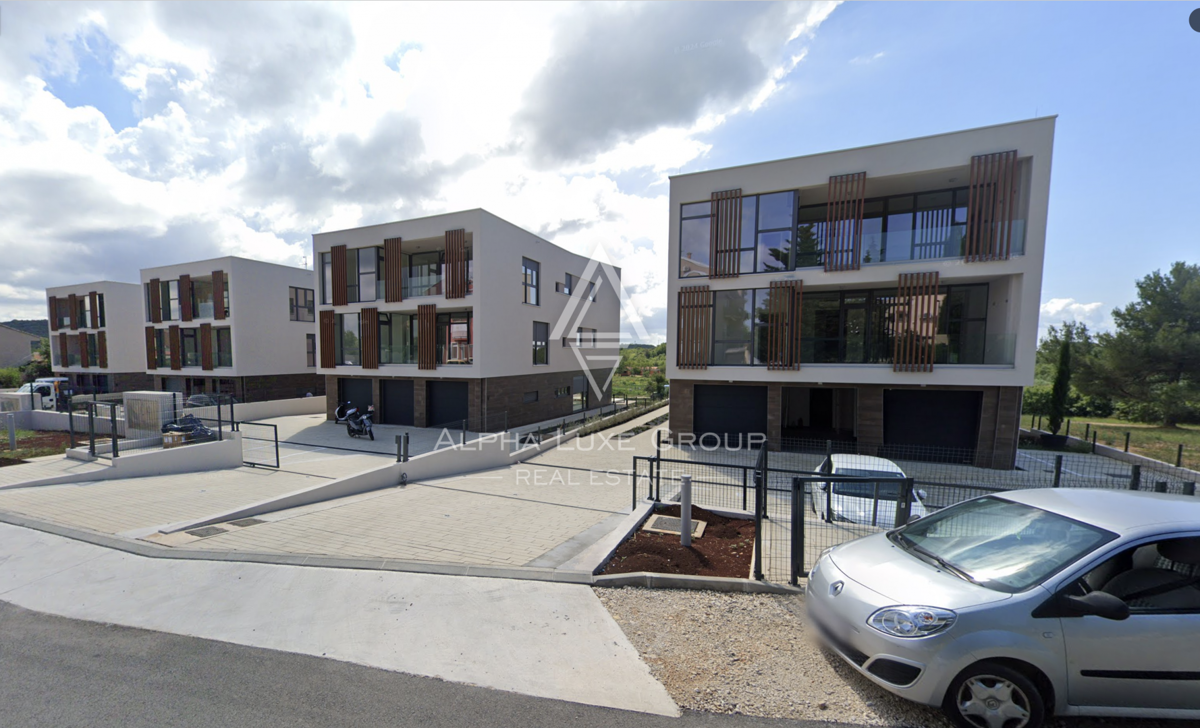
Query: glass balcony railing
{"x": 398, "y": 354}
{"x": 425, "y": 285}
{"x": 988, "y": 350}
{"x": 926, "y": 244}
{"x": 454, "y": 353}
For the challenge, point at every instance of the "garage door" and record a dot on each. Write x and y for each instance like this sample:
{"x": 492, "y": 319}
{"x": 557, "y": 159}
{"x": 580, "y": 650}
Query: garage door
{"x": 929, "y": 423}
{"x": 357, "y": 392}
{"x": 446, "y": 403}
{"x": 396, "y": 399}
{"x": 723, "y": 409}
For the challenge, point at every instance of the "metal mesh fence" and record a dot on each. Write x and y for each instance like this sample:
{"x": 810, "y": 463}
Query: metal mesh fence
{"x": 142, "y": 422}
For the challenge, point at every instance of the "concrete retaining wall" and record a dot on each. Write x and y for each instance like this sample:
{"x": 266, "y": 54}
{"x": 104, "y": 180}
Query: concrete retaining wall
{"x": 60, "y": 422}
{"x": 253, "y": 411}
{"x": 1183, "y": 474}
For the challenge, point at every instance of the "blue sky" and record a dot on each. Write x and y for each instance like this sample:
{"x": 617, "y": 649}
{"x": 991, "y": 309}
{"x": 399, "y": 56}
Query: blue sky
{"x": 134, "y": 135}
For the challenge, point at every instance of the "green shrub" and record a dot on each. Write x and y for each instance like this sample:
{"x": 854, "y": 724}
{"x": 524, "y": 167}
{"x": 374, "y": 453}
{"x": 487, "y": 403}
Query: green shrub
{"x": 10, "y": 378}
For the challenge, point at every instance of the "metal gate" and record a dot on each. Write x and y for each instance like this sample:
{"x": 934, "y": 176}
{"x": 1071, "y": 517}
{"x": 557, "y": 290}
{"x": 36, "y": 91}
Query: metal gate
{"x": 260, "y": 444}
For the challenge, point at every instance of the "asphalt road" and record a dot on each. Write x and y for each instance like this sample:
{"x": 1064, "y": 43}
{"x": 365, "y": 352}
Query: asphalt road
{"x": 68, "y": 673}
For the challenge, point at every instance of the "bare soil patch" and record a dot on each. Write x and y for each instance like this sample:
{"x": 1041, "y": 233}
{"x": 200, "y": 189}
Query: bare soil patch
{"x": 31, "y": 444}
{"x": 725, "y": 549}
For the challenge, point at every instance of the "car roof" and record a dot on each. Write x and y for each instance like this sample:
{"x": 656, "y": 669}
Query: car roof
{"x": 865, "y": 462}
{"x": 1114, "y": 510}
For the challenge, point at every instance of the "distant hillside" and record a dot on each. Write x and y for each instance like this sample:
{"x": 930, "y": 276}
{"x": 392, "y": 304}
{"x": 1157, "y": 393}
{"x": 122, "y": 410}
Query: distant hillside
{"x": 36, "y": 327}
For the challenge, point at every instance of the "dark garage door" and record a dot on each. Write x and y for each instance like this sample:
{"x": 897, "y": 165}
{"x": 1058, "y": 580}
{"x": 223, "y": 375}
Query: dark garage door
{"x": 925, "y": 423}
{"x": 447, "y": 403}
{"x": 724, "y": 410}
{"x": 396, "y": 399}
{"x": 357, "y": 391}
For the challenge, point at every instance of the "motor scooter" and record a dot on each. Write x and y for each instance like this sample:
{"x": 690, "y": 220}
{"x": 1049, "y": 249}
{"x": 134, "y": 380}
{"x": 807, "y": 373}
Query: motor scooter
{"x": 359, "y": 424}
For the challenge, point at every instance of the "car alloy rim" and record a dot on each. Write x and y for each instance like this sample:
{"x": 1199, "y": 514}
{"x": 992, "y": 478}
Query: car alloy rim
{"x": 988, "y": 701}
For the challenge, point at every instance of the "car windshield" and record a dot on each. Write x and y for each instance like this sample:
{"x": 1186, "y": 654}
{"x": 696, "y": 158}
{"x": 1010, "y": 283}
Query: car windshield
{"x": 889, "y": 488}
{"x": 1000, "y": 544}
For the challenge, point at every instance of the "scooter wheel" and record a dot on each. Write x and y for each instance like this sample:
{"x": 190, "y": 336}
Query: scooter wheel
{"x": 371, "y": 433}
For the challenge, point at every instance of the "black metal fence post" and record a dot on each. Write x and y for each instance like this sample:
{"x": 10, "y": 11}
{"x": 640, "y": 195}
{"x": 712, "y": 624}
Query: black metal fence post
{"x": 760, "y": 505}
{"x": 657, "y": 465}
{"x": 112, "y": 426}
{"x": 904, "y": 502}
{"x": 797, "y": 539}
{"x": 91, "y": 410}
{"x": 744, "y": 489}
{"x": 1126, "y": 442}
{"x": 1093, "y": 442}
{"x": 1068, "y": 432}
{"x": 1058, "y": 460}
{"x": 70, "y": 422}
{"x": 220, "y": 424}
{"x": 1087, "y": 431}
{"x": 1135, "y": 477}
{"x": 1179, "y": 456}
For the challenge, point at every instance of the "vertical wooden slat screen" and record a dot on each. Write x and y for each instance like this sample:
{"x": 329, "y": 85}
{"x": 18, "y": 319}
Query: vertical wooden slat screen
{"x": 725, "y": 233}
{"x": 62, "y": 349}
{"x": 155, "y": 301}
{"x": 218, "y": 278}
{"x": 176, "y": 342}
{"x": 84, "y": 360}
{"x": 206, "y": 347}
{"x": 53, "y": 313}
{"x": 94, "y": 307}
{"x": 185, "y": 297}
{"x": 456, "y": 263}
{"x": 337, "y": 257}
{"x": 917, "y": 310}
{"x": 783, "y": 325}
{"x": 843, "y": 221}
{"x": 102, "y": 350}
{"x": 369, "y": 323}
{"x": 151, "y": 355}
{"x": 393, "y": 271}
{"x": 992, "y": 199}
{"x": 73, "y": 301}
{"x": 694, "y": 340}
{"x": 427, "y": 336}
{"x": 328, "y": 332}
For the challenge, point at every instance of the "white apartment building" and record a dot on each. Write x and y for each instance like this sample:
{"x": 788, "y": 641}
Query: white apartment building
{"x": 883, "y": 298}
{"x": 230, "y": 325}
{"x": 95, "y": 336}
{"x": 462, "y": 316}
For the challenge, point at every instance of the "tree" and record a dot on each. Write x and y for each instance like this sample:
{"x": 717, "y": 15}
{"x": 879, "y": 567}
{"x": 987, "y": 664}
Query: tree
{"x": 1061, "y": 389}
{"x": 1083, "y": 346}
{"x": 1151, "y": 363}
{"x": 39, "y": 365}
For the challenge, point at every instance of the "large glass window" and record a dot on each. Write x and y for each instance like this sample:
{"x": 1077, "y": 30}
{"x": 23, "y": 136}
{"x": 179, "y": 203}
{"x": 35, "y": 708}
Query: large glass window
{"x": 454, "y": 337}
{"x": 530, "y": 275}
{"x": 326, "y": 279}
{"x": 62, "y": 310}
{"x": 397, "y": 338}
{"x": 347, "y": 349}
{"x": 202, "y": 297}
{"x": 223, "y": 346}
{"x": 694, "y": 236}
{"x": 424, "y": 274}
{"x": 361, "y": 274}
{"x": 733, "y": 326}
{"x": 301, "y": 304}
{"x": 191, "y": 347}
{"x": 162, "y": 348}
{"x": 168, "y": 299}
{"x": 310, "y": 350}
{"x": 92, "y": 354}
{"x": 541, "y": 343}
{"x": 85, "y": 311}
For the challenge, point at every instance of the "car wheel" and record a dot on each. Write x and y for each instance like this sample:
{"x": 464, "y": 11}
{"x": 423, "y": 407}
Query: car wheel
{"x": 991, "y": 695}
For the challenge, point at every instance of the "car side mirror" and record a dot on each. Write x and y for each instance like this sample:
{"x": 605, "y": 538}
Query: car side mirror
{"x": 1098, "y": 604}
{"x": 922, "y": 494}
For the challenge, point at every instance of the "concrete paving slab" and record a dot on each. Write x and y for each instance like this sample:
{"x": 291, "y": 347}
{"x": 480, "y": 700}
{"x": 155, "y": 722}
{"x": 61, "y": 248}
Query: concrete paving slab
{"x": 317, "y": 431}
{"x": 46, "y": 470}
{"x": 536, "y": 638}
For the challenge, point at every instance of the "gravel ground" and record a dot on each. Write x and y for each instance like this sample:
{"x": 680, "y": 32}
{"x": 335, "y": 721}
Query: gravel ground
{"x": 753, "y": 654}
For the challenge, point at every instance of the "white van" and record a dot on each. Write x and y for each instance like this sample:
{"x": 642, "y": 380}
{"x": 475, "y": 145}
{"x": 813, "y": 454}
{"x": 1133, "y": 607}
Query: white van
{"x": 48, "y": 387}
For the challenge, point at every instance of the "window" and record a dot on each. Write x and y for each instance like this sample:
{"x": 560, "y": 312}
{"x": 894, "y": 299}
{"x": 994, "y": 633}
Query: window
{"x": 223, "y": 346}
{"x": 310, "y": 350}
{"x": 569, "y": 285}
{"x": 397, "y": 338}
{"x": 91, "y": 345}
{"x": 454, "y": 338}
{"x": 380, "y": 283}
{"x": 326, "y": 279}
{"x": 203, "y": 305}
{"x": 100, "y": 310}
{"x": 301, "y": 304}
{"x": 1168, "y": 565}
{"x": 191, "y": 349}
{"x": 733, "y": 325}
{"x": 530, "y": 397}
{"x": 530, "y": 273}
{"x": 694, "y": 236}
{"x": 62, "y": 312}
{"x": 361, "y": 269}
{"x": 162, "y": 346}
{"x": 541, "y": 343}
{"x": 562, "y": 392}
{"x": 84, "y": 311}
{"x": 585, "y": 338}
{"x": 169, "y": 299}
{"x": 346, "y": 344}
{"x": 424, "y": 274}
{"x": 579, "y": 396}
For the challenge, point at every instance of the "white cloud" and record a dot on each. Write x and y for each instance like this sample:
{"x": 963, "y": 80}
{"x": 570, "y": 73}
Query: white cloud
{"x": 864, "y": 60}
{"x": 1057, "y": 310}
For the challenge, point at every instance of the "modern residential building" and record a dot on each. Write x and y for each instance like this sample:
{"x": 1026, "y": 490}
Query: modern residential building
{"x": 884, "y": 298}
{"x": 232, "y": 326}
{"x": 462, "y": 316}
{"x": 95, "y": 335}
{"x": 16, "y": 347}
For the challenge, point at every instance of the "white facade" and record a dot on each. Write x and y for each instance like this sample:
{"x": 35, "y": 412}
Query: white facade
{"x": 119, "y": 315}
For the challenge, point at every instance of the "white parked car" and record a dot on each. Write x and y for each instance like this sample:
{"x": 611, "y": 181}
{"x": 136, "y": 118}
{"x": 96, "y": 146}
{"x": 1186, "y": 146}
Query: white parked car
{"x": 867, "y": 502}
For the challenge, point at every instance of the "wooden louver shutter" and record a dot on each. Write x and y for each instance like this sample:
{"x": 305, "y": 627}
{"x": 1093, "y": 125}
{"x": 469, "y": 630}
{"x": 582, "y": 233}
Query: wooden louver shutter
{"x": 84, "y": 359}
{"x": 151, "y": 354}
{"x": 102, "y": 350}
{"x": 427, "y": 336}
{"x": 456, "y": 263}
{"x": 53, "y": 313}
{"x": 185, "y": 297}
{"x": 337, "y": 256}
{"x": 62, "y": 350}
{"x": 725, "y": 233}
{"x": 94, "y": 307}
{"x": 369, "y": 335}
{"x": 218, "y": 282}
{"x": 393, "y": 271}
{"x": 844, "y": 221}
{"x": 783, "y": 325}
{"x": 918, "y": 306}
{"x": 73, "y": 314}
{"x": 176, "y": 342}
{"x": 328, "y": 332}
{"x": 992, "y": 199}
{"x": 206, "y": 347}
{"x": 694, "y": 340}
{"x": 155, "y": 301}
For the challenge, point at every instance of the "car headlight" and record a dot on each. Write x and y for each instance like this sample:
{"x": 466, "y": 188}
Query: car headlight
{"x": 911, "y": 622}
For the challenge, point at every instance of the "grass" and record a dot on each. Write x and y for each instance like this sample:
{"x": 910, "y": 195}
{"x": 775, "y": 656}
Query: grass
{"x": 1152, "y": 441}
{"x": 631, "y": 386}
{"x": 32, "y": 444}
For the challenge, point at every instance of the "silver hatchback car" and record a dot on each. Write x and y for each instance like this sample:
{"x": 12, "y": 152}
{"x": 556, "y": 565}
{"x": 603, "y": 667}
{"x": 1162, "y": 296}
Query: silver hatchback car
{"x": 1006, "y": 609}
